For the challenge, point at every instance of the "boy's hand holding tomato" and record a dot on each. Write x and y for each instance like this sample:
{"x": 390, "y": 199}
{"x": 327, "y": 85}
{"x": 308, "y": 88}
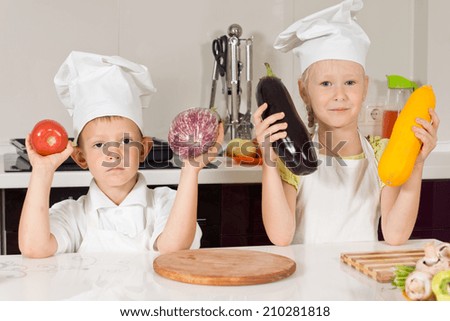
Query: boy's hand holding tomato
{"x": 48, "y": 145}
{"x": 48, "y": 137}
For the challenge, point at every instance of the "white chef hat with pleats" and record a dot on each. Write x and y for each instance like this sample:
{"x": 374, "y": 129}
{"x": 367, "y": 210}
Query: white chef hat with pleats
{"x": 91, "y": 86}
{"x": 331, "y": 33}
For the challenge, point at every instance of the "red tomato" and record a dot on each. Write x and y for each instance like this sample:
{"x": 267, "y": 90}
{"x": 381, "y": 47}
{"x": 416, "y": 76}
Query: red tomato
{"x": 48, "y": 137}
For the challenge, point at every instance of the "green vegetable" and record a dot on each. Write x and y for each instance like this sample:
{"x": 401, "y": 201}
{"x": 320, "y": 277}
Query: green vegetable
{"x": 441, "y": 285}
{"x": 401, "y": 273}
{"x": 378, "y": 144}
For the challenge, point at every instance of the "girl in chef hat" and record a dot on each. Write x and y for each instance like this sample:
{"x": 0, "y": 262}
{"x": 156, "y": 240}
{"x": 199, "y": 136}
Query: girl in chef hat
{"x": 344, "y": 199}
{"x": 105, "y": 96}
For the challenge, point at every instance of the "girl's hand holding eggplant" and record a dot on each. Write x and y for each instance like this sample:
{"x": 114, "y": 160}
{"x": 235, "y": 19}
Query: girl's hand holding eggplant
{"x": 266, "y": 132}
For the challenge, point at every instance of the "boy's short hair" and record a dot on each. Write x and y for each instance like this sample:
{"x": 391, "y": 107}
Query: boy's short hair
{"x": 107, "y": 118}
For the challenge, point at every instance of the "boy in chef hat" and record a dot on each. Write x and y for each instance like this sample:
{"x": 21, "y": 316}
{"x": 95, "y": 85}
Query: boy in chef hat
{"x": 105, "y": 96}
{"x": 343, "y": 199}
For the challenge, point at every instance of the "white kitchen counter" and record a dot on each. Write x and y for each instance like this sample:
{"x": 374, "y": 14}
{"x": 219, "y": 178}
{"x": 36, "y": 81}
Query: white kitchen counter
{"x": 320, "y": 275}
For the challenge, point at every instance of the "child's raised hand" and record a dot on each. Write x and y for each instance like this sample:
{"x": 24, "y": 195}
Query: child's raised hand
{"x": 427, "y": 134}
{"x": 49, "y": 162}
{"x": 266, "y": 131}
{"x": 204, "y": 159}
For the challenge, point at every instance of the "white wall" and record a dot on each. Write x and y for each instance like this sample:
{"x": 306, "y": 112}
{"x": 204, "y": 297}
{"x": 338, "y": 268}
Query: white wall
{"x": 35, "y": 38}
{"x": 438, "y": 59}
{"x": 173, "y": 38}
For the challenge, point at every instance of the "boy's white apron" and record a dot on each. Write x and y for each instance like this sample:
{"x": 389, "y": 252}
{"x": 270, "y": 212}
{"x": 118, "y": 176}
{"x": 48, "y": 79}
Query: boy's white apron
{"x": 131, "y": 235}
{"x": 340, "y": 201}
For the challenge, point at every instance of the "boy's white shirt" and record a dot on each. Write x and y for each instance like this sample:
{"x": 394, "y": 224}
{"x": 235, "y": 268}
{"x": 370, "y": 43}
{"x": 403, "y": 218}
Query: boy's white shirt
{"x": 339, "y": 203}
{"x": 93, "y": 223}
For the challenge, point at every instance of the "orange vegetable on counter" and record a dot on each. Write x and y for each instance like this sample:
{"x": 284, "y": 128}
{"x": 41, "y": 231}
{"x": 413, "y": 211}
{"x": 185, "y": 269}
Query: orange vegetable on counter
{"x": 397, "y": 161}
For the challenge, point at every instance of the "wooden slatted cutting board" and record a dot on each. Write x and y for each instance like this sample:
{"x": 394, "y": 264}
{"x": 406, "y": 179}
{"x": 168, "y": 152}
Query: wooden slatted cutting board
{"x": 223, "y": 266}
{"x": 381, "y": 265}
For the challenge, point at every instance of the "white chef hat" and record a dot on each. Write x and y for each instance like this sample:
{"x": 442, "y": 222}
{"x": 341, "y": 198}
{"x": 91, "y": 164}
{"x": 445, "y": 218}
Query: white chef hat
{"x": 91, "y": 86}
{"x": 331, "y": 33}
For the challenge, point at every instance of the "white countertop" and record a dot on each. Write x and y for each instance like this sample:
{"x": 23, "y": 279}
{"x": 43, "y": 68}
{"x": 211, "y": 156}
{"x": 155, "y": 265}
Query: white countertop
{"x": 320, "y": 275}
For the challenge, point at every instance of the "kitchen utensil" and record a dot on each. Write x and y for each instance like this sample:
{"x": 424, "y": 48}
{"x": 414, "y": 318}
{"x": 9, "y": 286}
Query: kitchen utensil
{"x": 380, "y": 265}
{"x": 219, "y": 49}
{"x": 214, "y": 79}
{"x": 19, "y": 144}
{"x": 227, "y": 64}
{"x": 249, "y": 72}
{"x": 234, "y": 83}
{"x": 223, "y": 267}
{"x": 245, "y": 127}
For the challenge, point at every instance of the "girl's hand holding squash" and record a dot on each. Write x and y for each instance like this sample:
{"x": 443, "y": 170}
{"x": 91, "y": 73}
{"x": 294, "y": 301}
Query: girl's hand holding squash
{"x": 427, "y": 135}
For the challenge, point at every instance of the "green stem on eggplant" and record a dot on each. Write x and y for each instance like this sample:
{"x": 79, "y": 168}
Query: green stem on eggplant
{"x": 269, "y": 70}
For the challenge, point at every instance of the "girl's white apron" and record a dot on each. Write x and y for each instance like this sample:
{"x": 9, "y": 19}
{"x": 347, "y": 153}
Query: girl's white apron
{"x": 339, "y": 202}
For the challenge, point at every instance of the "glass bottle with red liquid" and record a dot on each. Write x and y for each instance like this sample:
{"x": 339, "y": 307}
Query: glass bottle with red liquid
{"x": 399, "y": 90}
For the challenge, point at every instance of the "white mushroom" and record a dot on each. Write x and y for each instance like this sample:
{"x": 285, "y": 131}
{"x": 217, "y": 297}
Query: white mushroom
{"x": 418, "y": 286}
{"x": 435, "y": 259}
{"x": 443, "y": 250}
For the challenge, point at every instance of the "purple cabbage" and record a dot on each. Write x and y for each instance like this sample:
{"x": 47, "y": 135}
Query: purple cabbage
{"x": 193, "y": 131}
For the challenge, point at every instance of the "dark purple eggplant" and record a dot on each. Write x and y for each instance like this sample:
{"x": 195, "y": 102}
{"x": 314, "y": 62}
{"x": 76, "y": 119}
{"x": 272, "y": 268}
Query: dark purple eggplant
{"x": 296, "y": 150}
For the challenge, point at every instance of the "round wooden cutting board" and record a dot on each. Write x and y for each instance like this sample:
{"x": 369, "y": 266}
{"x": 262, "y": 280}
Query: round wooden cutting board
{"x": 223, "y": 267}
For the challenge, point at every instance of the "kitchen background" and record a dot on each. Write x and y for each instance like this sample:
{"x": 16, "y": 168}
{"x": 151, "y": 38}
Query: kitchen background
{"x": 173, "y": 38}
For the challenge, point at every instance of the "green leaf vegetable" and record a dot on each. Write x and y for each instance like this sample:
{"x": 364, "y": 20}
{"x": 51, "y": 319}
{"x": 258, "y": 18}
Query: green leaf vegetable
{"x": 378, "y": 144}
{"x": 401, "y": 273}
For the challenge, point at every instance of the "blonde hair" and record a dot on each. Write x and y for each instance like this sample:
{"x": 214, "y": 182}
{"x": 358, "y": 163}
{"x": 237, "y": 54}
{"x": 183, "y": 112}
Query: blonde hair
{"x": 304, "y": 79}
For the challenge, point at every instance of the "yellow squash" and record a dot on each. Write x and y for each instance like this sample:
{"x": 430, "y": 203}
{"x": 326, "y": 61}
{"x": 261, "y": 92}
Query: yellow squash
{"x": 397, "y": 161}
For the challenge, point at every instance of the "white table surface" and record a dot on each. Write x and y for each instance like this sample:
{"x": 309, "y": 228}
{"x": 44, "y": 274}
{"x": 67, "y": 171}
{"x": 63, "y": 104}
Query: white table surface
{"x": 320, "y": 275}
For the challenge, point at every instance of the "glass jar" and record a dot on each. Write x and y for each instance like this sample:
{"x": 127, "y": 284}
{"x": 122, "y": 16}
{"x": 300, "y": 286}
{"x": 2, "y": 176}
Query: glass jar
{"x": 399, "y": 90}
